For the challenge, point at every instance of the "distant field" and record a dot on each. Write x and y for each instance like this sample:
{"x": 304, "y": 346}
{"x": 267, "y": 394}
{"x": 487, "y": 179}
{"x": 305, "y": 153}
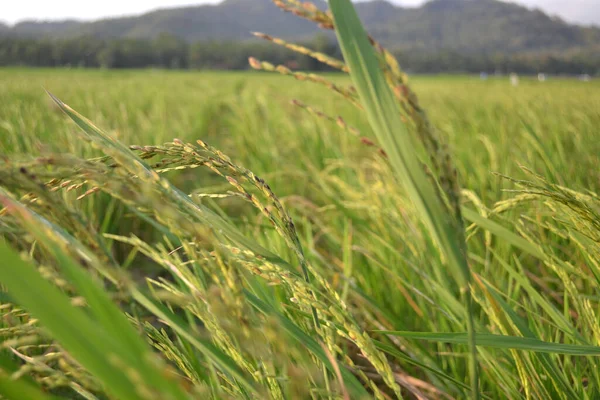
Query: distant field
{"x": 249, "y": 116}
{"x": 357, "y": 227}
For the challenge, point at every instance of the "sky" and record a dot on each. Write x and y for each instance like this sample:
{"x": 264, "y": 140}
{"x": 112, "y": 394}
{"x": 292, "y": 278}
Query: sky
{"x": 582, "y": 11}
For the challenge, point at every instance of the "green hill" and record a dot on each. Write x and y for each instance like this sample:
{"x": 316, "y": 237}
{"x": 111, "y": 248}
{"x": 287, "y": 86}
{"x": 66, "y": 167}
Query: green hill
{"x": 482, "y": 25}
{"x": 466, "y": 26}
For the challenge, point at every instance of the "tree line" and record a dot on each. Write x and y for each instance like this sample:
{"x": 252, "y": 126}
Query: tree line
{"x": 168, "y": 51}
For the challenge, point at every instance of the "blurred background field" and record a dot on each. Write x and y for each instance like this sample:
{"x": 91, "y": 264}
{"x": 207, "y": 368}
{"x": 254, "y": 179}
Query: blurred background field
{"x": 492, "y": 127}
{"x": 359, "y": 230}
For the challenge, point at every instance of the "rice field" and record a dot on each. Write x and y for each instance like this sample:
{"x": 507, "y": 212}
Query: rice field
{"x": 292, "y": 262}
{"x": 491, "y": 127}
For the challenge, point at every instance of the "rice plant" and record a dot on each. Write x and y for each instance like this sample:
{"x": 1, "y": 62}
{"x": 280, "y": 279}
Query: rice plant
{"x": 354, "y": 256}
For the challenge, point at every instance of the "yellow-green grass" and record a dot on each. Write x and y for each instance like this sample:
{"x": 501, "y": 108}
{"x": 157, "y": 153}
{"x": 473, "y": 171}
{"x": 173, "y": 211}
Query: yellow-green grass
{"x": 549, "y": 127}
{"x": 357, "y": 228}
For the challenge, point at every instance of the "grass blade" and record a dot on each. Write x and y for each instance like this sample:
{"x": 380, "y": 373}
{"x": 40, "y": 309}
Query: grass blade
{"x": 113, "y": 319}
{"x": 136, "y": 166}
{"x": 503, "y": 342}
{"x": 97, "y": 350}
{"x": 384, "y": 117}
{"x": 21, "y": 388}
{"x": 502, "y": 233}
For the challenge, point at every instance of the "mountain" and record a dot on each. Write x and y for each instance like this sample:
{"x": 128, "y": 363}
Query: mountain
{"x": 378, "y": 12}
{"x": 469, "y": 26}
{"x": 39, "y": 28}
{"x": 474, "y": 26}
{"x": 584, "y": 12}
{"x": 231, "y": 19}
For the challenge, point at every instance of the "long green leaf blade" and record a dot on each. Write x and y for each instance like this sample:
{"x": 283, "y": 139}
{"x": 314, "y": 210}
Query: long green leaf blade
{"x": 135, "y": 165}
{"x": 384, "y": 117}
{"x": 502, "y": 233}
{"x": 134, "y": 348}
{"x": 75, "y": 331}
{"x": 21, "y": 388}
{"x": 502, "y": 342}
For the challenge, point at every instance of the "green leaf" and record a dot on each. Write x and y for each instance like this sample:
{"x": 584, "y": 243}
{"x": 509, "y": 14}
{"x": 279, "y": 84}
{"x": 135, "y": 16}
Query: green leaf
{"x": 85, "y": 340}
{"x": 16, "y": 389}
{"x": 393, "y": 351}
{"x": 385, "y": 119}
{"x": 553, "y": 370}
{"x": 111, "y": 317}
{"x": 136, "y": 166}
{"x": 503, "y": 233}
{"x": 96, "y": 297}
{"x": 502, "y": 342}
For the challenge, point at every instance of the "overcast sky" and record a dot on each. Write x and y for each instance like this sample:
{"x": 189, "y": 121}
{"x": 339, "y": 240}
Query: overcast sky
{"x": 585, "y": 11}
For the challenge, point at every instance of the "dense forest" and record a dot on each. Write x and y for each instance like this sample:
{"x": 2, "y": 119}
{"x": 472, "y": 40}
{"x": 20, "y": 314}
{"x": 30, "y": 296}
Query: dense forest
{"x": 439, "y": 36}
{"x": 167, "y": 51}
